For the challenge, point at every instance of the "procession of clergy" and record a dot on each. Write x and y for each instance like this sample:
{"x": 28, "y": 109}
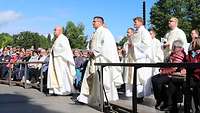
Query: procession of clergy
{"x": 141, "y": 47}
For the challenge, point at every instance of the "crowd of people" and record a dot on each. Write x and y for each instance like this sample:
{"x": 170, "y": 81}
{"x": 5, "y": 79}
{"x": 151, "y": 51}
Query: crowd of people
{"x": 68, "y": 71}
{"x": 17, "y": 54}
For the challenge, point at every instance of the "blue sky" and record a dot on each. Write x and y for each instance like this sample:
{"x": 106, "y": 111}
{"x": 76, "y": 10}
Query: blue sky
{"x": 43, "y": 15}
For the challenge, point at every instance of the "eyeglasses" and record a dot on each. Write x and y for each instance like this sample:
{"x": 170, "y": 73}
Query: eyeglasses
{"x": 94, "y": 21}
{"x": 171, "y": 21}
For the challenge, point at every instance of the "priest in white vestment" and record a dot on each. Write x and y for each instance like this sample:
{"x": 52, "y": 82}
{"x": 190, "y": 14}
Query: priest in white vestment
{"x": 103, "y": 49}
{"x": 61, "y": 70}
{"x": 129, "y": 58}
{"x": 158, "y": 55}
{"x": 142, "y": 44}
{"x": 174, "y": 34}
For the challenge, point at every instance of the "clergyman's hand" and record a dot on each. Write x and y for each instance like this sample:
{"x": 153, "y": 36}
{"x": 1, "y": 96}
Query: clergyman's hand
{"x": 91, "y": 54}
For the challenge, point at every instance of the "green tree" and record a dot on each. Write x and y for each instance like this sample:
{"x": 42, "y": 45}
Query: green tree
{"x": 49, "y": 39}
{"x": 122, "y": 41}
{"x": 27, "y": 39}
{"x": 5, "y": 40}
{"x": 187, "y": 11}
{"x": 75, "y": 35}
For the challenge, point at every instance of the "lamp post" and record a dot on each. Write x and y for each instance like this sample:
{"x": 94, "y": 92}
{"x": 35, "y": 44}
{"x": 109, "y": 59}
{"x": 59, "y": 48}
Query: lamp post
{"x": 144, "y": 11}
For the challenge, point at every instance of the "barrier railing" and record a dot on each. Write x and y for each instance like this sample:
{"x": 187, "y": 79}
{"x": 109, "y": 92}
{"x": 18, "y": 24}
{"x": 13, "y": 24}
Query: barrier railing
{"x": 25, "y": 73}
{"x": 189, "y": 67}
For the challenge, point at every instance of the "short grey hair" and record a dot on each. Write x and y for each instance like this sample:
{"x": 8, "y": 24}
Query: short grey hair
{"x": 177, "y": 43}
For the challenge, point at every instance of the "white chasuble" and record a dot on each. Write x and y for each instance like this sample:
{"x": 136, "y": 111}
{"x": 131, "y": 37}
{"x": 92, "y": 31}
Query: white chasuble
{"x": 61, "y": 69}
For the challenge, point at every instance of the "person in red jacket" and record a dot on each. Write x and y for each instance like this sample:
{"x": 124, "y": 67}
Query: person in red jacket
{"x": 162, "y": 94}
{"x": 194, "y": 57}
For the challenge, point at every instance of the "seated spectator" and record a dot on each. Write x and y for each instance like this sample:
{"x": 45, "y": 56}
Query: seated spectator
{"x": 15, "y": 67}
{"x": 78, "y": 59}
{"x": 85, "y": 57}
{"x": 1, "y": 60}
{"x": 45, "y": 72}
{"x": 5, "y": 66}
{"x": 41, "y": 58}
{"x": 23, "y": 57}
{"x": 35, "y": 68}
{"x": 18, "y": 70}
{"x": 194, "y": 57}
{"x": 160, "y": 80}
{"x": 32, "y": 68}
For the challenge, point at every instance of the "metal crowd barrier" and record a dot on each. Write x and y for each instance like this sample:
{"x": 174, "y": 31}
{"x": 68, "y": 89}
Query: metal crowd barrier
{"x": 189, "y": 67}
{"x": 25, "y": 84}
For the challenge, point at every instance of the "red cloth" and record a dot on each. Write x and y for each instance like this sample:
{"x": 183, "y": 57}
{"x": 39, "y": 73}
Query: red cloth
{"x": 12, "y": 60}
{"x": 194, "y": 57}
{"x": 177, "y": 56}
{"x": 167, "y": 71}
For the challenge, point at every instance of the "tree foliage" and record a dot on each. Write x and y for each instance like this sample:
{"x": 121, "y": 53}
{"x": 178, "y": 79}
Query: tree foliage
{"x": 187, "y": 11}
{"x": 5, "y": 40}
{"x": 122, "y": 41}
{"x": 75, "y": 35}
{"x": 28, "y": 39}
{"x": 49, "y": 39}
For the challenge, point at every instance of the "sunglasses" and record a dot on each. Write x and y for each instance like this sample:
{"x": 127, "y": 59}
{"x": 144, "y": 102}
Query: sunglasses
{"x": 171, "y": 21}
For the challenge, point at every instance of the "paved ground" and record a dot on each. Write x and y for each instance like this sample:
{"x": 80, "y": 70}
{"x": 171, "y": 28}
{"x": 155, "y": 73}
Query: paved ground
{"x": 16, "y": 99}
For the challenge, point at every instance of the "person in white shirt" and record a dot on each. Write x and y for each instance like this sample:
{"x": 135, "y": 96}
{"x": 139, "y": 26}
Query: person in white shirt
{"x": 142, "y": 44}
{"x": 158, "y": 55}
{"x": 129, "y": 58}
{"x": 174, "y": 34}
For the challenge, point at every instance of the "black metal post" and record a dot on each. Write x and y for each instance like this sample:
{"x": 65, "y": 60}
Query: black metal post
{"x": 9, "y": 76}
{"x": 41, "y": 79}
{"x": 144, "y": 11}
{"x": 101, "y": 90}
{"x": 187, "y": 98}
{"x": 134, "y": 91}
{"x": 25, "y": 75}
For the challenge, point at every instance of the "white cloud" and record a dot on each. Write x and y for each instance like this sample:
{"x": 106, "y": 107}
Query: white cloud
{"x": 9, "y": 16}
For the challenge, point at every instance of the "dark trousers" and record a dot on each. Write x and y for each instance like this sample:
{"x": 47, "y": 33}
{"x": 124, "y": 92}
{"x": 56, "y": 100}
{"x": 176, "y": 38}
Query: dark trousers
{"x": 5, "y": 72}
{"x": 176, "y": 88}
{"x": 18, "y": 73}
{"x": 195, "y": 85}
{"x": 174, "y": 91}
{"x": 45, "y": 90}
{"x": 158, "y": 82}
{"x": 34, "y": 75}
